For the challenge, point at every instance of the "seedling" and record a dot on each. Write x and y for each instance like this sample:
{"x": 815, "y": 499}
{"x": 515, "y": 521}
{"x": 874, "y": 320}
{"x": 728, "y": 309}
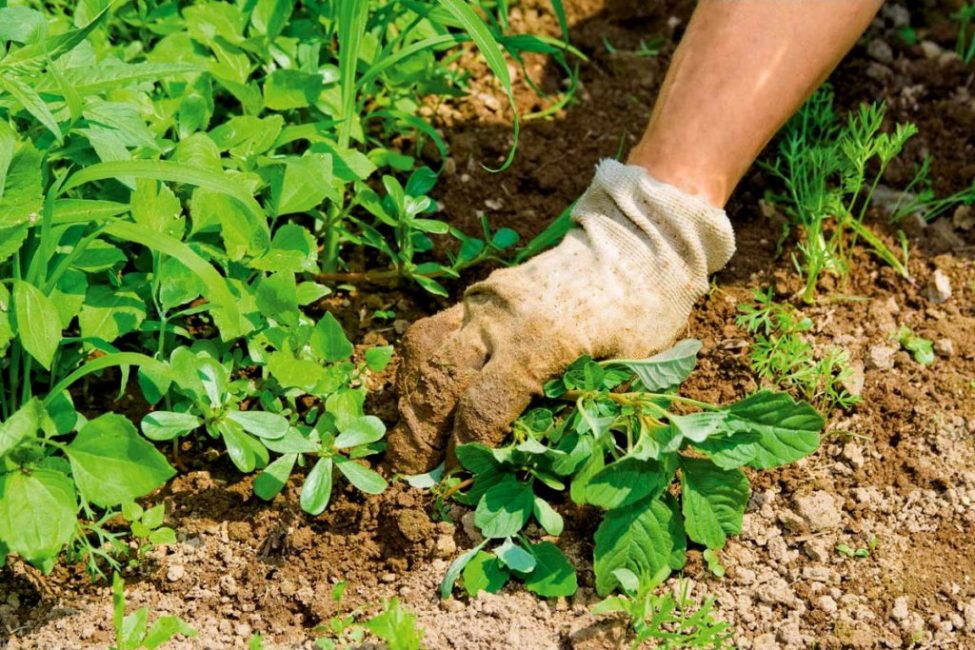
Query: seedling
{"x": 783, "y": 355}
{"x": 965, "y": 43}
{"x": 921, "y": 349}
{"x": 829, "y": 173}
{"x": 133, "y": 631}
{"x": 616, "y": 434}
{"x": 848, "y": 551}
{"x": 394, "y": 626}
{"x": 669, "y": 618}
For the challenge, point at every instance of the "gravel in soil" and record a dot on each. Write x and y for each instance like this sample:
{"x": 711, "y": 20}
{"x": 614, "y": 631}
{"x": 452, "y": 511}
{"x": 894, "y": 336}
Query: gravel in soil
{"x": 896, "y": 474}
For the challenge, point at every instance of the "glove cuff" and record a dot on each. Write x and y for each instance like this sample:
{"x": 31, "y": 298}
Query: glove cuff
{"x": 670, "y": 222}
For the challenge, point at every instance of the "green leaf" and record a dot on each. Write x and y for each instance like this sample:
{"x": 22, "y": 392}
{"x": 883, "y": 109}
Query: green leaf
{"x": 23, "y": 424}
{"x": 110, "y": 312}
{"x": 626, "y": 481}
{"x": 290, "y": 372}
{"x": 553, "y": 576}
{"x": 378, "y": 358}
{"x": 317, "y": 489}
{"x": 166, "y": 425}
{"x": 277, "y": 298}
{"x": 453, "y": 571}
{"x": 301, "y": 184}
{"x": 484, "y": 572}
{"x": 328, "y": 340}
{"x": 546, "y": 515}
{"x": 245, "y": 452}
{"x": 665, "y": 370}
{"x": 515, "y": 557}
{"x": 288, "y": 89}
{"x": 728, "y": 452}
{"x": 396, "y": 627}
{"x": 789, "y": 430}
{"x": 164, "y": 629}
{"x": 637, "y": 537}
{"x": 504, "y": 238}
{"x": 261, "y": 423}
{"x": 153, "y": 517}
{"x": 713, "y": 501}
{"x": 505, "y": 508}
{"x": 362, "y": 477}
{"x": 476, "y": 458}
{"x": 134, "y": 628}
{"x": 37, "y": 514}
{"x": 361, "y": 431}
{"x": 270, "y": 481}
{"x": 36, "y": 321}
{"x": 32, "y": 103}
{"x": 112, "y": 464}
{"x": 293, "y": 249}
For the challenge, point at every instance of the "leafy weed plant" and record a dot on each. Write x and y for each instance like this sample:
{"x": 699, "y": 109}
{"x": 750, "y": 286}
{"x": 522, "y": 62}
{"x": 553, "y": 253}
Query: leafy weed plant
{"x": 829, "y": 171}
{"x": 133, "y": 632}
{"x": 781, "y": 355}
{"x": 178, "y": 183}
{"x": 617, "y": 435}
{"x": 669, "y": 618}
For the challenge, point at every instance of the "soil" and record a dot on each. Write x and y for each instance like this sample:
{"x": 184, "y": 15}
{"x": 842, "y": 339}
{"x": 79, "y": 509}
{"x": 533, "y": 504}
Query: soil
{"x": 896, "y": 473}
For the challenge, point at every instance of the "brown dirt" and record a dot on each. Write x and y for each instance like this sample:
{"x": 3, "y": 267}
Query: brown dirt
{"x": 899, "y": 468}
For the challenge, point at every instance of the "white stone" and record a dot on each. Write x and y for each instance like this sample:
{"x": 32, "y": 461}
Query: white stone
{"x": 820, "y": 510}
{"x": 938, "y": 289}
{"x": 881, "y": 357}
{"x": 900, "y": 611}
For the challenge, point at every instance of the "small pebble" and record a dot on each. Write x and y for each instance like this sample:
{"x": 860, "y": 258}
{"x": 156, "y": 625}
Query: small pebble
{"x": 945, "y": 348}
{"x": 938, "y": 289}
{"x": 175, "y": 573}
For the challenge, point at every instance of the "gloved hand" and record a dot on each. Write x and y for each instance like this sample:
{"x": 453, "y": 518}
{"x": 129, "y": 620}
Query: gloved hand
{"x": 622, "y": 285}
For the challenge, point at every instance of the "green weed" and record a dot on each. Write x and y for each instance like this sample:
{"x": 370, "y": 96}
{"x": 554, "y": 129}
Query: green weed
{"x": 829, "y": 172}
{"x": 133, "y": 631}
{"x": 781, "y": 355}
{"x": 394, "y": 626}
{"x": 921, "y": 349}
{"x": 179, "y": 182}
{"x": 668, "y": 618}
{"x": 965, "y": 43}
{"x": 616, "y": 435}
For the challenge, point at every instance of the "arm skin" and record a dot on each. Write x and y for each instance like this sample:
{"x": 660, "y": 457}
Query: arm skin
{"x": 741, "y": 70}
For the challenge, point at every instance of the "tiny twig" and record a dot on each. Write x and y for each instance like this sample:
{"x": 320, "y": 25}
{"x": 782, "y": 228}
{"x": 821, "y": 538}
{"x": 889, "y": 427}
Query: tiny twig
{"x": 457, "y": 488}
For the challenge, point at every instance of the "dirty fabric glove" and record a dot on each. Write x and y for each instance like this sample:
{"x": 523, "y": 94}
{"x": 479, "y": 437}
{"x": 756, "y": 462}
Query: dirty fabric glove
{"x": 622, "y": 285}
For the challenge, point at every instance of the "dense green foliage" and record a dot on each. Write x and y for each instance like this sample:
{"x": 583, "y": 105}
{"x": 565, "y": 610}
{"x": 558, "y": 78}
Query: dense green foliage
{"x": 178, "y": 183}
{"x": 616, "y": 435}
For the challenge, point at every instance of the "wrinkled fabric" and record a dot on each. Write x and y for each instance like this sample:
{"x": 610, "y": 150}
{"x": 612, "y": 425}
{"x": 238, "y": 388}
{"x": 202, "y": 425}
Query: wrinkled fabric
{"x": 621, "y": 285}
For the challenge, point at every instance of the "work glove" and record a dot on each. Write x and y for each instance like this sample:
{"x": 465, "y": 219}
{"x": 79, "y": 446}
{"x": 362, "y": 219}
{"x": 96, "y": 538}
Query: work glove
{"x": 621, "y": 285}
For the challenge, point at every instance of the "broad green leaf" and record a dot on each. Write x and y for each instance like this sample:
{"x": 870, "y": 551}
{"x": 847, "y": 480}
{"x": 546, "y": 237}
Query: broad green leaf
{"x": 553, "y": 575}
{"x": 22, "y": 189}
{"x": 110, "y": 312}
{"x": 346, "y": 406}
{"x": 23, "y": 424}
{"x": 697, "y": 427}
{"x": 288, "y": 89}
{"x": 396, "y": 627}
{"x": 728, "y": 452}
{"x": 361, "y": 431}
{"x": 261, "y": 423}
{"x": 484, "y": 572}
{"x": 37, "y": 514}
{"x": 476, "y": 458}
{"x": 713, "y": 501}
{"x": 328, "y": 341}
{"x": 317, "y": 489}
{"x": 789, "y": 430}
{"x": 515, "y": 557}
{"x": 293, "y": 249}
{"x": 36, "y": 321}
{"x": 626, "y": 481}
{"x": 378, "y": 358}
{"x": 134, "y": 628}
{"x": 636, "y": 537}
{"x": 277, "y": 298}
{"x": 291, "y": 372}
{"x": 505, "y": 508}
{"x": 166, "y": 425}
{"x": 156, "y": 207}
{"x": 580, "y": 482}
{"x": 453, "y": 571}
{"x": 546, "y": 515}
{"x": 665, "y": 370}
{"x": 362, "y": 477}
{"x": 31, "y": 102}
{"x": 112, "y": 464}
{"x": 293, "y": 442}
{"x": 246, "y": 452}
{"x": 271, "y": 480}
{"x": 69, "y": 294}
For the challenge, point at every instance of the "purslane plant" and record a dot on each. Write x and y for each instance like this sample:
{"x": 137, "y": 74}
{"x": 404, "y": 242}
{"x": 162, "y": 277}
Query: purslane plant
{"x": 625, "y": 436}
